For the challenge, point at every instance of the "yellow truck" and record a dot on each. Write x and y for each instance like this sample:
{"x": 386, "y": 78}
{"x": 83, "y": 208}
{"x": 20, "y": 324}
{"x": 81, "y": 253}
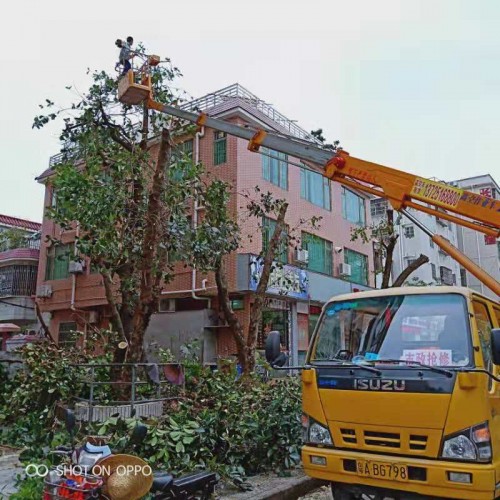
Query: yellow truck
{"x": 401, "y": 395}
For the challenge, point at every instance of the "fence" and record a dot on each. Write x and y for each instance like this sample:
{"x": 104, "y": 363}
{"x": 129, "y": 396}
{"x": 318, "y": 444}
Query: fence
{"x": 147, "y": 386}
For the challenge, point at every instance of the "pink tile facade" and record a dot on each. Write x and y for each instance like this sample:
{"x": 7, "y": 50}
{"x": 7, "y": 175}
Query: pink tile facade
{"x": 243, "y": 169}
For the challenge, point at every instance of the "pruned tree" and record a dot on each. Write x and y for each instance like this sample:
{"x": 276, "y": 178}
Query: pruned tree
{"x": 384, "y": 236}
{"x": 224, "y": 234}
{"x": 124, "y": 183}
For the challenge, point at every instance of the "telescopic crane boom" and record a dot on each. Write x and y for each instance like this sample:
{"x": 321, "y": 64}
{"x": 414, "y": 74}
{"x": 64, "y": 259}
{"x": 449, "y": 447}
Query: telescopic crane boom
{"x": 402, "y": 189}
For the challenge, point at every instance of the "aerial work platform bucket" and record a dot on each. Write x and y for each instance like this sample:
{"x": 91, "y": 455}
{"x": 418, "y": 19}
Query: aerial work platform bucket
{"x": 130, "y": 92}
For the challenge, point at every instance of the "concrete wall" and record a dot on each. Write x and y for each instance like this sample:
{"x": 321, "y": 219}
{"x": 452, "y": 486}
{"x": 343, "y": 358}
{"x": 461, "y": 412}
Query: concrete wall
{"x": 172, "y": 330}
{"x": 22, "y": 312}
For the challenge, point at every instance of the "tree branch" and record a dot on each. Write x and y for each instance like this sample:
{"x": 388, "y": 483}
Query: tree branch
{"x": 256, "y": 313}
{"x": 422, "y": 259}
{"x": 225, "y": 304}
{"x": 110, "y": 297}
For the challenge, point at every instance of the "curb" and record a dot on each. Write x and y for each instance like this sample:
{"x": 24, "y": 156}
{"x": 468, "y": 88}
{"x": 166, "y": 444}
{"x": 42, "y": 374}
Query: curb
{"x": 291, "y": 489}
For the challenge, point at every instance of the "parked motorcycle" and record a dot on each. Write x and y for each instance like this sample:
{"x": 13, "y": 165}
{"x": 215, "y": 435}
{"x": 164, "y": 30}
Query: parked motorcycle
{"x": 95, "y": 473}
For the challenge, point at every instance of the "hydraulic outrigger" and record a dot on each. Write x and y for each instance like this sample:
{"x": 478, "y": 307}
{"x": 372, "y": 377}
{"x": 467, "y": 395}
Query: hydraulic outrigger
{"x": 403, "y": 190}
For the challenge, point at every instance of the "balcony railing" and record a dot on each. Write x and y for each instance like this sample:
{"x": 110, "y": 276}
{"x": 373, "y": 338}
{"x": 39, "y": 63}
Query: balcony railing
{"x": 18, "y": 280}
{"x": 33, "y": 244}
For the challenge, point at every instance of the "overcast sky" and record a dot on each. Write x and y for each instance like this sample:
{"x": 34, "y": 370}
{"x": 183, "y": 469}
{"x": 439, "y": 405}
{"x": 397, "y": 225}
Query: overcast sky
{"x": 409, "y": 84}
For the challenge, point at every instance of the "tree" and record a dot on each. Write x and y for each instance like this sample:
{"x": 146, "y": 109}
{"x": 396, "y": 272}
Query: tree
{"x": 224, "y": 235}
{"x": 385, "y": 237}
{"x": 123, "y": 183}
{"x": 13, "y": 238}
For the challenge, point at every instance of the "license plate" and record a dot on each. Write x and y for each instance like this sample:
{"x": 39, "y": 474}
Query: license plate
{"x": 382, "y": 470}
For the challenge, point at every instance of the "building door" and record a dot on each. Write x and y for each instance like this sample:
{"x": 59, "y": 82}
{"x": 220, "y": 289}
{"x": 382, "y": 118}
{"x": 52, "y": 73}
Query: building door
{"x": 275, "y": 317}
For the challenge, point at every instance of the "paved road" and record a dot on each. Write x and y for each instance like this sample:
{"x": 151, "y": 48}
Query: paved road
{"x": 8, "y": 480}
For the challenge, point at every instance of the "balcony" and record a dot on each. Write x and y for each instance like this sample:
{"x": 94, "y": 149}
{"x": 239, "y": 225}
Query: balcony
{"x": 18, "y": 280}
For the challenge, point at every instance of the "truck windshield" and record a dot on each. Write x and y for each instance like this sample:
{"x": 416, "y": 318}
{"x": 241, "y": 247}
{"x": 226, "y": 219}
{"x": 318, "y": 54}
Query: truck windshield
{"x": 431, "y": 329}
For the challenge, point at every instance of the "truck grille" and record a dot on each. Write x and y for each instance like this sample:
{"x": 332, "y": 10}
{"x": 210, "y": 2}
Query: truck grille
{"x": 393, "y": 442}
{"x": 383, "y": 439}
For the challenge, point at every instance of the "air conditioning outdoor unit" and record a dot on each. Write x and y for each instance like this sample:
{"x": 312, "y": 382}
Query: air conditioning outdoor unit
{"x": 344, "y": 269}
{"x": 76, "y": 267}
{"x": 44, "y": 291}
{"x": 301, "y": 256}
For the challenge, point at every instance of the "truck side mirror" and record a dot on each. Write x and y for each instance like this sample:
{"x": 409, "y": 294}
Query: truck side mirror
{"x": 495, "y": 345}
{"x": 273, "y": 342}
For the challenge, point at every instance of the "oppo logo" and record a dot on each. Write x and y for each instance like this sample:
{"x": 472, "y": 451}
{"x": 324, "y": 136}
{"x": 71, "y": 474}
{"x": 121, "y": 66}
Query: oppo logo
{"x": 374, "y": 384}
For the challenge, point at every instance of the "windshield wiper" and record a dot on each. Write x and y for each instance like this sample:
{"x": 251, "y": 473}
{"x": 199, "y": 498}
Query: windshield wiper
{"x": 436, "y": 369}
{"x": 343, "y": 364}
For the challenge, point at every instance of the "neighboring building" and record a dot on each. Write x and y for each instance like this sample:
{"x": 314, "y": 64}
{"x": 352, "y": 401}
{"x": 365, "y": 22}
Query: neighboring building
{"x": 19, "y": 252}
{"x": 189, "y": 308}
{"x": 412, "y": 241}
{"x": 482, "y": 249}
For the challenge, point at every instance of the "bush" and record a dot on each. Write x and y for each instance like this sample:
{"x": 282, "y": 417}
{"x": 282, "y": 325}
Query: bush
{"x": 233, "y": 426}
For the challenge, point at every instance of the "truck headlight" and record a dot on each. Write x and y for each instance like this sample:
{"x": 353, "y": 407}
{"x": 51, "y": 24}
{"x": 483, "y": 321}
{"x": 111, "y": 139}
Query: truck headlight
{"x": 472, "y": 444}
{"x": 314, "y": 432}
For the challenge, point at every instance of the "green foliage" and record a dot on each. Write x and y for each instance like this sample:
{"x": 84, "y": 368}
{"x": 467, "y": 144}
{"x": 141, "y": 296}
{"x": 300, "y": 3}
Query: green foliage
{"x": 29, "y": 489}
{"x": 27, "y": 400}
{"x": 232, "y": 427}
{"x": 13, "y": 238}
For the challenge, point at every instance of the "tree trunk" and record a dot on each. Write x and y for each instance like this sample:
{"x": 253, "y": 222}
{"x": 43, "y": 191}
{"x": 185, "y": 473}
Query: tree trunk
{"x": 422, "y": 259}
{"x": 260, "y": 293}
{"x": 45, "y": 328}
{"x": 389, "y": 257}
{"x": 229, "y": 314}
{"x": 152, "y": 232}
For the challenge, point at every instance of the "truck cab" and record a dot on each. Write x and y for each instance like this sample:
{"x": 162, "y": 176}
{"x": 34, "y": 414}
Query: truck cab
{"x": 401, "y": 395}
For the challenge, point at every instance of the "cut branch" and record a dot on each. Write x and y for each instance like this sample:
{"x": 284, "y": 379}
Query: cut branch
{"x": 422, "y": 259}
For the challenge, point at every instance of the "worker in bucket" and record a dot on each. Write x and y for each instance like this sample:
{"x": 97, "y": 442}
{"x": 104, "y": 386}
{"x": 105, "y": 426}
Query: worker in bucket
{"x": 125, "y": 55}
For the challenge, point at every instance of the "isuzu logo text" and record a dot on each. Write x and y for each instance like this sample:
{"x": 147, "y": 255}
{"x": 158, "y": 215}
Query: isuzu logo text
{"x": 376, "y": 384}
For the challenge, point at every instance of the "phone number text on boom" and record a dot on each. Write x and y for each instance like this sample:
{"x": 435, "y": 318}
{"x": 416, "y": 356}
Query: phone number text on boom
{"x": 435, "y": 192}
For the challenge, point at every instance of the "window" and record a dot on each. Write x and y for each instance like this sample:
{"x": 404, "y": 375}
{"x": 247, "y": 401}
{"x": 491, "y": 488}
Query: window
{"x": 359, "y": 266}
{"x": 268, "y": 227}
{"x": 353, "y": 207}
{"x": 379, "y": 207}
{"x": 220, "y": 148}
{"x": 409, "y": 231}
{"x": 67, "y": 334}
{"x": 320, "y": 253}
{"x": 315, "y": 188}
{"x": 57, "y": 266}
{"x": 53, "y": 197}
{"x": 275, "y": 169}
{"x": 434, "y": 273}
{"x": 484, "y": 327}
{"x": 186, "y": 147}
{"x": 430, "y": 329}
{"x": 446, "y": 275}
{"x": 463, "y": 277}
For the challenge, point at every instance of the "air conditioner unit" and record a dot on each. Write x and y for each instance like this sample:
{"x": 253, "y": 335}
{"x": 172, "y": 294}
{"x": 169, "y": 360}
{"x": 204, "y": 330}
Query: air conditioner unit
{"x": 76, "y": 267}
{"x": 344, "y": 269}
{"x": 44, "y": 291}
{"x": 301, "y": 256}
{"x": 93, "y": 317}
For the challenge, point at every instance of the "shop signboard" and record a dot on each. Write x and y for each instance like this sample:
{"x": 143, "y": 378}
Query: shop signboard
{"x": 285, "y": 280}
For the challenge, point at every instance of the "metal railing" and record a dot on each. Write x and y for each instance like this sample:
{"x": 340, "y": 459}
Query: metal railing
{"x": 134, "y": 381}
{"x": 18, "y": 280}
{"x": 237, "y": 91}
